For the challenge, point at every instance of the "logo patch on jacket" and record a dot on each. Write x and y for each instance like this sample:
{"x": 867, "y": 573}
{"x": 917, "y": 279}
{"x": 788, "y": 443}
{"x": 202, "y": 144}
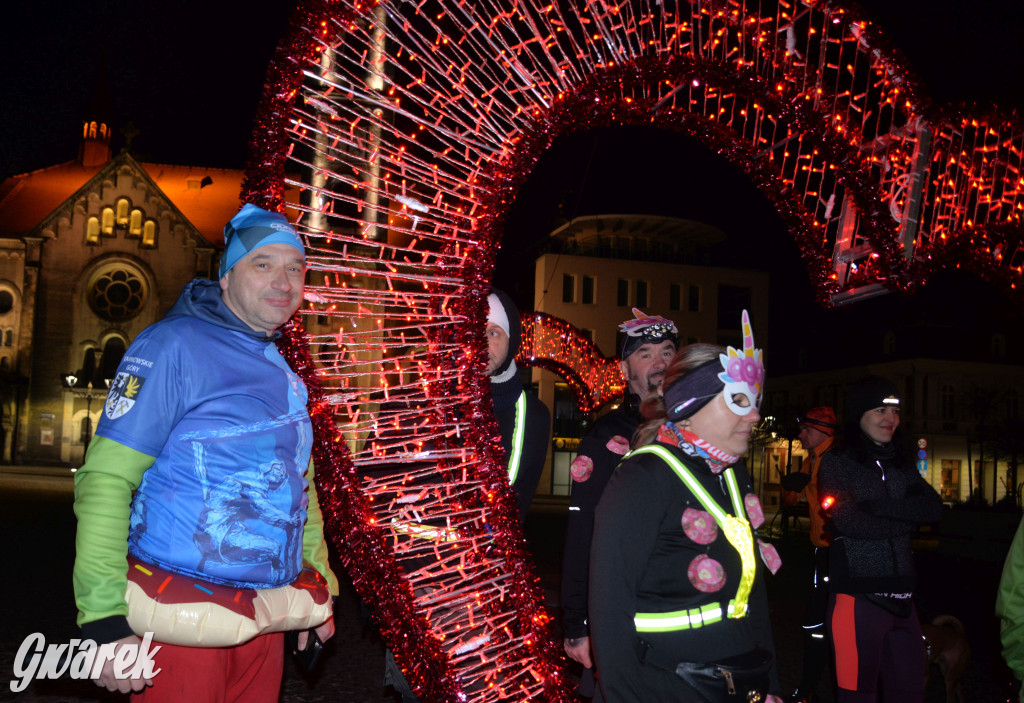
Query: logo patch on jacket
{"x": 124, "y": 391}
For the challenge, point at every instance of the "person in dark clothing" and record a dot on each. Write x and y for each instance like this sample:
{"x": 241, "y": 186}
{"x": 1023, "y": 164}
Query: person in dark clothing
{"x": 647, "y": 348}
{"x": 877, "y": 499}
{"x": 523, "y": 420}
{"x": 817, "y": 433}
{"x": 675, "y": 580}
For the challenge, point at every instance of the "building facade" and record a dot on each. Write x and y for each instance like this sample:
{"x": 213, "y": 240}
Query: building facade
{"x": 91, "y": 252}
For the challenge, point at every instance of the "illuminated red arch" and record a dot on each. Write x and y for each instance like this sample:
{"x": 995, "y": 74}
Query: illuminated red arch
{"x": 431, "y": 115}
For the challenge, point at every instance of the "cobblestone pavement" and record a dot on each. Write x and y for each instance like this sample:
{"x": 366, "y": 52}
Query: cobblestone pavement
{"x": 37, "y": 525}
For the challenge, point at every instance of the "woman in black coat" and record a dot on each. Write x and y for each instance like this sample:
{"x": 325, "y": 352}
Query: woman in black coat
{"x": 675, "y": 578}
{"x": 878, "y": 499}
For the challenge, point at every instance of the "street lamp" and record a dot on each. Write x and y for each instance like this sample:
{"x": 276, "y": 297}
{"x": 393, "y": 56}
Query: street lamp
{"x": 70, "y": 383}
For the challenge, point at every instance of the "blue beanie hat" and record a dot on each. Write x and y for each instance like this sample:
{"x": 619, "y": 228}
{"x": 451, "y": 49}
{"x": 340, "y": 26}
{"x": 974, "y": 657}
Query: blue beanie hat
{"x": 252, "y": 228}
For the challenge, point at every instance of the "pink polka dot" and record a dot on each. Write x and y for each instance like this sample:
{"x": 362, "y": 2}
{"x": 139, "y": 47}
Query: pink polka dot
{"x": 618, "y": 445}
{"x": 770, "y": 556}
{"x": 581, "y": 469}
{"x": 706, "y": 574}
{"x": 700, "y": 526}
{"x": 754, "y": 510}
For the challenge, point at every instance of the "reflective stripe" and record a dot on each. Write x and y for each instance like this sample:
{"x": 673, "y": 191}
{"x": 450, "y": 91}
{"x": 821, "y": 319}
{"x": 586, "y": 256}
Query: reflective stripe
{"x": 680, "y": 619}
{"x": 518, "y": 437}
{"x": 736, "y": 528}
{"x": 415, "y": 529}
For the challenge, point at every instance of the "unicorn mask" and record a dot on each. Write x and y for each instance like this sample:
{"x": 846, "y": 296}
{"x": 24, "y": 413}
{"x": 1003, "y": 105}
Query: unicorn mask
{"x": 744, "y": 373}
{"x": 737, "y": 374}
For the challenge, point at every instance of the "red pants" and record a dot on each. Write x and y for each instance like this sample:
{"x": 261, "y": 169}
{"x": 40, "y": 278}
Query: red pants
{"x": 248, "y": 673}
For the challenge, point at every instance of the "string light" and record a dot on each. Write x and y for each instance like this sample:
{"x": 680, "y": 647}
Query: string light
{"x": 415, "y": 126}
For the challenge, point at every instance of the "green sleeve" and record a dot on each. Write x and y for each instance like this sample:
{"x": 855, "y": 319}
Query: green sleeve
{"x": 103, "y": 496}
{"x": 1010, "y": 605}
{"x": 314, "y": 548}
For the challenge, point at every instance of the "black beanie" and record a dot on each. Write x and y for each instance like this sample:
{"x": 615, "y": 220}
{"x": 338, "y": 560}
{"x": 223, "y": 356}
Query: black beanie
{"x": 870, "y": 393}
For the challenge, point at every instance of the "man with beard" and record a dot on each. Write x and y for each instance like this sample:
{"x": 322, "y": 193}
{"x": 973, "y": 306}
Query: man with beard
{"x": 523, "y": 420}
{"x": 647, "y": 348}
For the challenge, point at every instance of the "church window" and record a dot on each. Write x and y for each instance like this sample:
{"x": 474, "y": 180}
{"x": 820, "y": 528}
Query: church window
{"x": 107, "y": 221}
{"x": 113, "y": 352}
{"x": 6, "y": 302}
{"x": 122, "y": 212}
{"x": 117, "y": 293}
{"x": 149, "y": 234}
{"x": 92, "y": 231}
{"x": 92, "y": 130}
{"x": 135, "y": 226}
{"x": 5, "y": 364}
{"x": 9, "y": 338}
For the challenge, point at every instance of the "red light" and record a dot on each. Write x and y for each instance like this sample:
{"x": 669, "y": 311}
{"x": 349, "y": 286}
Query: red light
{"x": 827, "y": 502}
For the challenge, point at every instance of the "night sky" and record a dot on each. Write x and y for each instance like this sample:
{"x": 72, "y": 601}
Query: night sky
{"x": 188, "y": 73}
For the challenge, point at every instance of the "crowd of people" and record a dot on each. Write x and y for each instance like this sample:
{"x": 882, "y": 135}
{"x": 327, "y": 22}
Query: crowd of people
{"x": 201, "y": 469}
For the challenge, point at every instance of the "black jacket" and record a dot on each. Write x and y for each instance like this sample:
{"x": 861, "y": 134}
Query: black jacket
{"x": 880, "y": 500}
{"x": 537, "y": 436}
{"x": 599, "y": 453}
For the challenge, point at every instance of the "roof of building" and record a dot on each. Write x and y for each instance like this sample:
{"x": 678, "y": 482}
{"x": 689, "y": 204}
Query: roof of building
{"x": 658, "y": 227}
{"x": 207, "y": 197}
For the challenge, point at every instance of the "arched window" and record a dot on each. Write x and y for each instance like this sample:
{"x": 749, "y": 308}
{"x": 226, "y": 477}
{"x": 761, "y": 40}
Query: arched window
{"x": 135, "y": 226}
{"x": 92, "y": 130}
{"x": 107, "y": 221}
{"x": 122, "y": 212}
{"x": 149, "y": 234}
{"x": 113, "y": 351}
{"x": 92, "y": 231}
{"x": 9, "y": 338}
{"x": 5, "y": 363}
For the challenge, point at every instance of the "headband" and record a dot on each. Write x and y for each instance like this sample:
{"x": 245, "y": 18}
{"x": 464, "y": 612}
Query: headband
{"x": 737, "y": 372}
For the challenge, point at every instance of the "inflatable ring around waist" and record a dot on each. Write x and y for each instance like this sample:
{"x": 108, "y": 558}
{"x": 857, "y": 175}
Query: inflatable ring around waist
{"x": 183, "y": 610}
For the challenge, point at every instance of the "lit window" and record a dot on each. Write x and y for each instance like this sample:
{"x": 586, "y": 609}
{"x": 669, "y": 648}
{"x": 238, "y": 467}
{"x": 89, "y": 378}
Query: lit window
{"x": 149, "y": 234}
{"x": 135, "y": 224}
{"x": 92, "y": 231}
{"x": 107, "y": 222}
{"x": 122, "y": 211}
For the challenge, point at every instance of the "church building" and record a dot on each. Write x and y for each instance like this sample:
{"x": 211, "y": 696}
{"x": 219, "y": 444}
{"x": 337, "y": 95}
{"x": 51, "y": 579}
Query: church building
{"x": 91, "y": 252}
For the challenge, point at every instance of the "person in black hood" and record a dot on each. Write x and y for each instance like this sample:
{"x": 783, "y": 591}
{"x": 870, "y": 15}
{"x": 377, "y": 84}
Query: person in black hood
{"x": 647, "y": 347}
{"x": 875, "y": 498}
{"x": 524, "y": 421}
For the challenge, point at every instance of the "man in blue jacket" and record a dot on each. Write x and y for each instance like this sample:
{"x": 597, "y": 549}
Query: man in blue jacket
{"x": 201, "y": 467}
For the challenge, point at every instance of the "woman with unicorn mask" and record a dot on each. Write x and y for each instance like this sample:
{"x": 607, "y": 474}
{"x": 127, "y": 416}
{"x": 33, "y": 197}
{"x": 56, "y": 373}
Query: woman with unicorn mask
{"x": 678, "y": 610}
